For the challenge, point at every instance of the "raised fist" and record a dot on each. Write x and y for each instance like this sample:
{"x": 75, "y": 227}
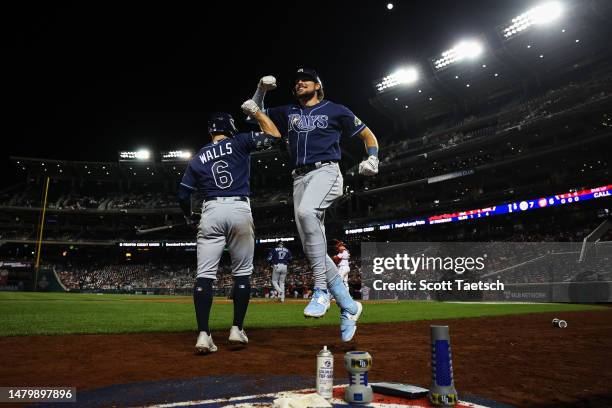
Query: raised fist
{"x": 267, "y": 83}
{"x": 250, "y": 108}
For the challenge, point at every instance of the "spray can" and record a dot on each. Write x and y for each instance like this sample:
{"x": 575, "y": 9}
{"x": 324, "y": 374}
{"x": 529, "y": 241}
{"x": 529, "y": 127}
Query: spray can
{"x": 325, "y": 373}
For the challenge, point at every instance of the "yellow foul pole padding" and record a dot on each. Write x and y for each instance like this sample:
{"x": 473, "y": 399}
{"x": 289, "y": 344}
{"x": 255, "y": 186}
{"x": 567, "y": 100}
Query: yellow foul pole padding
{"x": 40, "y": 234}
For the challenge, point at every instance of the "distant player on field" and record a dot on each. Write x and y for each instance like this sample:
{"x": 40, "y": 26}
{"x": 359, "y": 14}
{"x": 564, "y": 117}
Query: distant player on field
{"x": 221, "y": 170}
{"x": 342, "y": 260}
{"x": 365, "y": 292}
{"x": 279, "y": 257}
{"x": 313, "y": 127}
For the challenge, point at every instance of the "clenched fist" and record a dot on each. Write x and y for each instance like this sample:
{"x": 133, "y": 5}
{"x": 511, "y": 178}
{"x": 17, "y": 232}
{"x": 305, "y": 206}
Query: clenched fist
{"x": 369, "y": 167}
{"x": 250, "y": 108}
{"x": 267, "y": 83}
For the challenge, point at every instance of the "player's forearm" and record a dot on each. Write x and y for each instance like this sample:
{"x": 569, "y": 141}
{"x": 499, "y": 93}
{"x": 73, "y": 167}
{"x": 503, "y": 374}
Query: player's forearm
{"x": 265, "y": 84}
{"x": 370, "y": 142}
{"x": 266, "y": 124}
{"x": 184, "y": 199}
{"x": 259, "y": 96}
{"x": 369, "y": 167}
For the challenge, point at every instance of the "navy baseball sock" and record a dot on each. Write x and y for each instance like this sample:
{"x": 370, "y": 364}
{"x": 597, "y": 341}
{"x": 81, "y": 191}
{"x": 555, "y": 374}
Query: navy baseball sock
{"x": 242, "y": 294}
{"x": 202, "y": 300}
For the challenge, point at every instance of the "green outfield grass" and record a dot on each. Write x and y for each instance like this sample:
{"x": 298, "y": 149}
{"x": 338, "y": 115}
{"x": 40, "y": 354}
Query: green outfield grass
{"x": 64, "y": 313}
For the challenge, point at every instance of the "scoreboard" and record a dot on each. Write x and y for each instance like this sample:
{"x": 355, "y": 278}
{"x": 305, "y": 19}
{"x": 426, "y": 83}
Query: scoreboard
{"x": 505, "y": 208}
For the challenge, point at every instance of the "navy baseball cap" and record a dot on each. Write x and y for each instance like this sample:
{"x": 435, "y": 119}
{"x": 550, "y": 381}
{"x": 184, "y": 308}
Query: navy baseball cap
{"x": 307, "y": 72}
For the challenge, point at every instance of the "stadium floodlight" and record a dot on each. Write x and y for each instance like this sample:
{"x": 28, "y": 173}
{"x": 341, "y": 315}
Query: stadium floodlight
{"x": 540, "y": 15}
{"x": 140, "y": 155}
{"x": 403, "y": 76}
{"x": 143, "y": 154}
{"x": 467, "y": 49}
{"x": 176, "y": 155}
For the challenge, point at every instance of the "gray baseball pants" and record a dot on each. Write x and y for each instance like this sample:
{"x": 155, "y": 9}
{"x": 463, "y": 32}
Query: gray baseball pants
{"x": 279, "y": 274}
{"x": 313, "y": 193}
{"x": 225, "y": 222}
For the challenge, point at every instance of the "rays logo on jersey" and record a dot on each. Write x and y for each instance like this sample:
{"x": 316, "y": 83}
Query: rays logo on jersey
{"x": 306, "y": 123}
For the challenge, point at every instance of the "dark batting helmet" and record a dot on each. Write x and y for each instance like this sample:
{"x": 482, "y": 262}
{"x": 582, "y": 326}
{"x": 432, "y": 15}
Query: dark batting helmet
{"x": 221, "y": 123}
{"x": 310, "y": 74}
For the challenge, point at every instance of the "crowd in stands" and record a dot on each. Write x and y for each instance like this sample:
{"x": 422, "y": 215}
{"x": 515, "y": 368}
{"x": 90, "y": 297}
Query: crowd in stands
{"x": 486, "y": 189}
{"x": 116, "y": 201}
{"x": 298, "y": 283}
{"x": 516, "y": 114}
{"x": 106, "y": 201}
{"x": 16, "y": 234}
{"x": 147, "y": 276}
{"x": 393, "y": 170}
{"x": 411, "y": 173}
{"x": 102, "y": 201}
{"x": 273, "y": 196}
{"x": 25, "y": 198}
{"x": 126, "y": 276}
{"x": 523, "y": 255}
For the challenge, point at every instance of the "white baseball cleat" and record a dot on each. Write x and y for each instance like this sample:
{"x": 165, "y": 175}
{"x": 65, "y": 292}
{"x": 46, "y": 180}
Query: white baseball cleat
{"x": 205, "y": 344}
{"x": 238, "y": 336}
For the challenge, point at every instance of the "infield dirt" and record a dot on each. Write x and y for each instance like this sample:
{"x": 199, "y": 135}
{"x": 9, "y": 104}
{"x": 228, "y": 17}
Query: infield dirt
{"x": 520, "y": 360}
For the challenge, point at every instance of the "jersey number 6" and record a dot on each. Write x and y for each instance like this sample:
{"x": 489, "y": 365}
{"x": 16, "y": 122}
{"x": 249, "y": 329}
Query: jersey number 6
{"x": 223, "y": 178}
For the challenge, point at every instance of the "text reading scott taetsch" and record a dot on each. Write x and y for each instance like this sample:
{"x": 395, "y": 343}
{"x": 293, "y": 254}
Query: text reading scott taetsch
{"x": 459, "y": 284}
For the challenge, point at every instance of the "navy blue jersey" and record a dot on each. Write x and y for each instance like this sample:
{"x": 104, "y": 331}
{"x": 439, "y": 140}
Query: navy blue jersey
{"x": 280, "y": 256}
{"x": 314, "y": 131}
{"x": 223, "y": 169}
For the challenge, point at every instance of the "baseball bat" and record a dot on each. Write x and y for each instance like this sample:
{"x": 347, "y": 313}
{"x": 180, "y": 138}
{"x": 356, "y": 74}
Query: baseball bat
{"x": 156, "y": 229}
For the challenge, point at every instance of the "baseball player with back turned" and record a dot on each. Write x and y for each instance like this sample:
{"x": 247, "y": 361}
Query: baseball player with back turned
{"x": 221, "y": 170}
{"x": 279, "y": 258}
{"x": 313, "y": 127}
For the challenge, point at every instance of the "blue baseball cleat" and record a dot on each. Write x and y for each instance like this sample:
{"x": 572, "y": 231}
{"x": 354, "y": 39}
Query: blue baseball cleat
{"x": 349, "y": 309}
{"x": 318, "y": 304}
{"x": 348, "y": 323}
{"x": 342, "y": 295}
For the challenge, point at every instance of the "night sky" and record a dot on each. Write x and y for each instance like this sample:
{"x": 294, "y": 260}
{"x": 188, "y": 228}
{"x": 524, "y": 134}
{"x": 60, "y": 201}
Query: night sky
{"x": 89, "y": 79}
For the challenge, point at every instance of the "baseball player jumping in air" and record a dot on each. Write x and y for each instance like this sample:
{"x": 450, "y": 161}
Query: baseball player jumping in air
{"x": 313, "y": 127}
{"x": 342, "y": 260}
{"x": 279, "y": 258}
{"x": 221, "y": 170}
